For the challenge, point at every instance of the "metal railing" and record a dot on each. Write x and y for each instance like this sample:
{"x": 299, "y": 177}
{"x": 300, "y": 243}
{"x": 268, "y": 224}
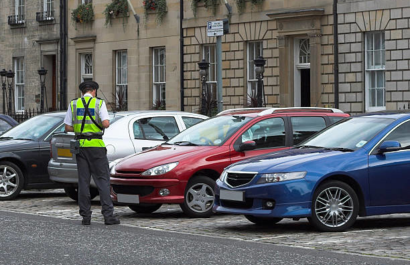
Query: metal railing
{"x": 25, "y": 115}
{"x": 16, "y": 20}
{"x": 45, "y": 16}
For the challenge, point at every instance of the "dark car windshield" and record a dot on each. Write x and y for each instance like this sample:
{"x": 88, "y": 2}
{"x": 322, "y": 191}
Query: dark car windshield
{"x": 213, "y": 131}
{"x": 348, "y": 134}
{"x": 34, "y": 128}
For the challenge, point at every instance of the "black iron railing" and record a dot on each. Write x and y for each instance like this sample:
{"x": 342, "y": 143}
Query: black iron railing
{"x": 45, "y": 16}
{"x": 25, "y": 115}
{"x": 16, "y": 20}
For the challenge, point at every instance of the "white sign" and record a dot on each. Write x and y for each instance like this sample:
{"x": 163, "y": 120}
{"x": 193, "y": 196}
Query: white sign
{"x": 215, "y": 28}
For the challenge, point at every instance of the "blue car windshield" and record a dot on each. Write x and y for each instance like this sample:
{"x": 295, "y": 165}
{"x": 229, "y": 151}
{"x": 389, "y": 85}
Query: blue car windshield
{"x": 214, "y": 131}
{"x": 352, "y": 133}
{"x": 34, "y": 128}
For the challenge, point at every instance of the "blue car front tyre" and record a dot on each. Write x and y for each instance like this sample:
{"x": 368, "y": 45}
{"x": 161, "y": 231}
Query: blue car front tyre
{"x": 335, "y": 207}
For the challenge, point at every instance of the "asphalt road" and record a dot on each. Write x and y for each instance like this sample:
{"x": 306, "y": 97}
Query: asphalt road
{"x": 30, "y": 239}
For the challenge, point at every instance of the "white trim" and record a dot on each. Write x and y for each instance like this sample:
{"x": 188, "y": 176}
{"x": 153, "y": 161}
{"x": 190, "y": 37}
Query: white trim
{"x": 82, "y": 70}
{"x": 161, "y": 84}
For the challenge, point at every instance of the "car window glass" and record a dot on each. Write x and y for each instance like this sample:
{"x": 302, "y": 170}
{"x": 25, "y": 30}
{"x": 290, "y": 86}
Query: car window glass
{"x": 335, "y": 119}
{"x": 213, "y": 131}
{"x": 157, "y": 128}
{"x": 34, "y": 128}
{"x": 266, "y": 133}
{"x": 401, "y": 134}
{"x": 189, "y": 121}
{"x": 59, "y": 129}
{"x": 350, "y": 133}
{"x": 303, "y": 127}
{"x": 4, "y": 126}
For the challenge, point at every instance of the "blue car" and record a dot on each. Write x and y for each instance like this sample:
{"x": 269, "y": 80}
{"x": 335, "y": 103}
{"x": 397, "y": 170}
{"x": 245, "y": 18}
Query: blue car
{"x": 359, "y": 166}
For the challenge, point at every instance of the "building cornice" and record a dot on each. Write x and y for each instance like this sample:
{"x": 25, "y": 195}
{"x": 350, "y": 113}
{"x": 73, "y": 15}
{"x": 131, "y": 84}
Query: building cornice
{"x": 89, "y": 38}
{"x": 297, "y": 13}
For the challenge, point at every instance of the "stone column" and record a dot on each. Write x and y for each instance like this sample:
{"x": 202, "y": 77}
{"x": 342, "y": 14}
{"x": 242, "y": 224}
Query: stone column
{"x": 286, "y": 94}
{"x": 315, "y": 69}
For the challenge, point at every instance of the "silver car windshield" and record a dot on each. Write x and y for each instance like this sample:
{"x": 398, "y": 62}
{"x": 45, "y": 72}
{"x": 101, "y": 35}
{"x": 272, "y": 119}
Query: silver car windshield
{"x": 34, "y": 128}
{"x": 214, "y": 131}
{"x": 349, "y": 134}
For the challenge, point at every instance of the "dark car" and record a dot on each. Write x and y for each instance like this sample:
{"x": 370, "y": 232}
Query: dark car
{"x": 6, "y": 122}
{"x": 24, "y": 155}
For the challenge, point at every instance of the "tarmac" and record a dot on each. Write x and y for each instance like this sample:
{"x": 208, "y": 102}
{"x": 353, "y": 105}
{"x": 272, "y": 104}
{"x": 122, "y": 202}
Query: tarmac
{"x": 379, "y": 236}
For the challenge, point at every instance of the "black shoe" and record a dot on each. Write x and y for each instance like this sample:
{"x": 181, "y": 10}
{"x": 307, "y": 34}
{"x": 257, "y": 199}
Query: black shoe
{"x": 86, "y": 221}
{"x": 111, "y": 221}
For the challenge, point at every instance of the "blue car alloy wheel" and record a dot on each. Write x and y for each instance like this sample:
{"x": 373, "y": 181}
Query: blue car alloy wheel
{"x": 335, "y": 207}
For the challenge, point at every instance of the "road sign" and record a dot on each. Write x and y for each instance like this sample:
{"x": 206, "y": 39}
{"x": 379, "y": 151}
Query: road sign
{"x": 215, "y": 28}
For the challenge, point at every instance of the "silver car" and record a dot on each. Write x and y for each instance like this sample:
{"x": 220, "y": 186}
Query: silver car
{"x": 130, "y": 132}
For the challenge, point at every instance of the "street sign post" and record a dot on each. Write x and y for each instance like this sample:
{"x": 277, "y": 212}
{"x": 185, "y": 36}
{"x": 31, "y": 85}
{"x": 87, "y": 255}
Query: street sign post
{"x": 215, "y": 28}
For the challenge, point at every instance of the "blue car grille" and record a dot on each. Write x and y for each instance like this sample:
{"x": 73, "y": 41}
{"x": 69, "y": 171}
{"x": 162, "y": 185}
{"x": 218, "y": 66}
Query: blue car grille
{"x": 239, "y": 179}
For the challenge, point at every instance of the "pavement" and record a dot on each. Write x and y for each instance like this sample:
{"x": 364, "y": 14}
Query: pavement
{"x": 385, "y": 236}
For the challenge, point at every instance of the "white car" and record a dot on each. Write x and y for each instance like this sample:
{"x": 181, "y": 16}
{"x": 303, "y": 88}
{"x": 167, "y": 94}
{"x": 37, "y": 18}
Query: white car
{"x": 130, "y": 132}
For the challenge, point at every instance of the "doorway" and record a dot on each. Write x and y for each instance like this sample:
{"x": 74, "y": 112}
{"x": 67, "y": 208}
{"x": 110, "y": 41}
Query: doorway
{"x": 301, "y": 82}
{"x": 50, "y": 100}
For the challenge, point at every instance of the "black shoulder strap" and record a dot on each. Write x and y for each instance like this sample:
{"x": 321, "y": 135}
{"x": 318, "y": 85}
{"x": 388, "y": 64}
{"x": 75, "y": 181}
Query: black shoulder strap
{"x": 87, "y": 112}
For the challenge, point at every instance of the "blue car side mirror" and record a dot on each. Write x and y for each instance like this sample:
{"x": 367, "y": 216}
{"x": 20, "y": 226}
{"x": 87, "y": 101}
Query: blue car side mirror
{"x": 389, "y": 146}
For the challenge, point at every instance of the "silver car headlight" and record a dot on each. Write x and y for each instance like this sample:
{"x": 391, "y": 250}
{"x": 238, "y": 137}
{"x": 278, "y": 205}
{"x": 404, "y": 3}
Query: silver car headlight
{"x": 159, "y": 170}
{"x": 277, "y": 177}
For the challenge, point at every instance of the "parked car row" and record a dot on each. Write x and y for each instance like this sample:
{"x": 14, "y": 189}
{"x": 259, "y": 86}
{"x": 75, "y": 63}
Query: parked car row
{"x": 267, "y": 163}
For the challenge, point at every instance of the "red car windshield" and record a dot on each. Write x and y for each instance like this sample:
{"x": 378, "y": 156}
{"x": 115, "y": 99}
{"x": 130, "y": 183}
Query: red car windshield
{"x": 210, "y": 132}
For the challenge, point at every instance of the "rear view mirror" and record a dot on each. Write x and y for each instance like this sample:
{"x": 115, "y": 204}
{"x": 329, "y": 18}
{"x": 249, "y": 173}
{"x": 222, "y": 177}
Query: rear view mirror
{"x": 389, "y": 146}
{"x": 246, "y": 146}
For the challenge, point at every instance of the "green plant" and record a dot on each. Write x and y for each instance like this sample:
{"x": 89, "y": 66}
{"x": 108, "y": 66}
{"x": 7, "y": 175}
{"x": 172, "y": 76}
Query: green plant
{"x": 84, "y": 13}
{"x": 116, "y": 8}
{"x": 160, "y": 6}
{"x": 159, "y": 105}
{"x": 213, "y": 4}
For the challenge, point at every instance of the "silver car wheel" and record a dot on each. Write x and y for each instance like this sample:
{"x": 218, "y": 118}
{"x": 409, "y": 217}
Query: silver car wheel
{"x": 9, "y": 181}
{"x": 334, "y": 207}
{"x": 200, "y": 198}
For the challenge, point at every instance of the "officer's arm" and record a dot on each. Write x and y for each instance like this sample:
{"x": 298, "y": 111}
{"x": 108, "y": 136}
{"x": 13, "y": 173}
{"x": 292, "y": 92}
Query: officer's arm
{"x": 69, "y": 128}
{"x": 105, "y": 123}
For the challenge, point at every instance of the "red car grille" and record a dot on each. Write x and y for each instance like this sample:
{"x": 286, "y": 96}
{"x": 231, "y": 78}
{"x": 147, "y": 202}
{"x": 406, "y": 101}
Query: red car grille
{"x": 134, "y": 190}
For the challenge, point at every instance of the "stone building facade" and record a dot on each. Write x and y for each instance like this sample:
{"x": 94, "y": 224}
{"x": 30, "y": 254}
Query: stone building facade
{"x": 29, "y": 40}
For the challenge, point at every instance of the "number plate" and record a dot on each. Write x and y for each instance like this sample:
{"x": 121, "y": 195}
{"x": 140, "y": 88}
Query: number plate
{"x": 62, "y": 152}
{"x": 126, "y": 198}
{"x": 232, "y": 195}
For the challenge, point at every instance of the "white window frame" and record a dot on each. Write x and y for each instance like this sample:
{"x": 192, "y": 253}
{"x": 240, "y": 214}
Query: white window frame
{"x": 48, "y": 7}
{"x": 121, "y": 75}
{"x": 372, "y": 69}
{"x": 209, "y": 54}
{"x": 250, "y": 56}
{"x": 86, "y": 2}
{"x": 158, "y": 76}
{"x": 86, "y": 73}
{"x": 297, "y": 97}
{"x": 20, "y": 8}
{"x": 19, "y": 78}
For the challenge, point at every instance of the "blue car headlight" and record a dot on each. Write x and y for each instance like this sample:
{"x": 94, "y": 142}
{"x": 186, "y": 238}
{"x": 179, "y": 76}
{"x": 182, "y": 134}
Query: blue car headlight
{"x": 277, "y": 177}
{"x": 159, "y": 170}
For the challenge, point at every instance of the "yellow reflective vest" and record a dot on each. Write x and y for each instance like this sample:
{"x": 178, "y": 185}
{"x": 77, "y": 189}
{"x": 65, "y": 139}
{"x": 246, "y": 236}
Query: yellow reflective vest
{"x": 78, "y": 111}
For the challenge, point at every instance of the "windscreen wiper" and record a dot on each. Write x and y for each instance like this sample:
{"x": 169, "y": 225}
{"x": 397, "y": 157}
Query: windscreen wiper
{"x": 185, "y": 143}
{"x": 6, "y": 138}
{"x": 28, "y": 139}
{"x": 307, "y": 146}
{"x": 342, "y": 149}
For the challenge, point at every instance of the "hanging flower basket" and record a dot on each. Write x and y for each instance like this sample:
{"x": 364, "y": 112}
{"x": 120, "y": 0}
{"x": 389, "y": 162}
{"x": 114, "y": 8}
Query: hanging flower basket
{"x": 155, "y": 6}
{"x": 116, "y": 9}
{"x": 84, "y": 13}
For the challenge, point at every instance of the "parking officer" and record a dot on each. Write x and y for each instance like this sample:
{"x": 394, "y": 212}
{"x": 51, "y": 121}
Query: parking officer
{"x": 87, "y": 117}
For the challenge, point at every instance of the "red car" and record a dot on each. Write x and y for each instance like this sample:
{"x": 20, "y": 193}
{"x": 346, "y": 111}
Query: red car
{"x": 184, "y": 169}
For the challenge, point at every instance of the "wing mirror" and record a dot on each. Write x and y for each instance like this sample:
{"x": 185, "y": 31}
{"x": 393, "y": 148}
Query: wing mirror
{"x": 248, "y": 145}
{"x": 389, "y": 146}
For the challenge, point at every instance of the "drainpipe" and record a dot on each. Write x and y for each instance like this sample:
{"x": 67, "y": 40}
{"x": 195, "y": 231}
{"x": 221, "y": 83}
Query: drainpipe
{"x": 336, "y": 53}
{"x": 63, "y": 55}
{"x": 181, "y": 52}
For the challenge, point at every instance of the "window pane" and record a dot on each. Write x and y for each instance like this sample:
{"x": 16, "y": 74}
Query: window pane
{"x": 267, "y": 133}
{"x": 159, "y": 128}
{"x": 401, "y": 134}
{"x": 380, "y": 97}
{"x": 303, "y": 127}
{"x": 190, "y": 121}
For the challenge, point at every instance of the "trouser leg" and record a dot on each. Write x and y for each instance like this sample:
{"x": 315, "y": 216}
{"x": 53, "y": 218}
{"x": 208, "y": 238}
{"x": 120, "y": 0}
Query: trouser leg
{"x": 84, "y": 177}
{"x": 101, "y": 175}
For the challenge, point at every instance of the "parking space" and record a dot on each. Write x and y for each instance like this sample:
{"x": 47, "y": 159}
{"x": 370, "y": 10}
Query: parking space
{"x": 384, "y": 236}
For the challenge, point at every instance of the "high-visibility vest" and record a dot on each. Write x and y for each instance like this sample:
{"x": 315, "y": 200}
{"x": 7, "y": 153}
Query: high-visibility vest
{"x": 78, "y": 111}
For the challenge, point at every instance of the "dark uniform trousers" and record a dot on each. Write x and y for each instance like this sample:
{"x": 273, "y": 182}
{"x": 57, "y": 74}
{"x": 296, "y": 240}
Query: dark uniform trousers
{"x": 92, "y": 161}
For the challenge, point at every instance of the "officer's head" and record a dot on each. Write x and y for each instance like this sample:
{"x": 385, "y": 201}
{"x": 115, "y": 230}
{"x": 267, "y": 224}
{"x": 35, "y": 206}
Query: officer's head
{"x": 88, "y": 86}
